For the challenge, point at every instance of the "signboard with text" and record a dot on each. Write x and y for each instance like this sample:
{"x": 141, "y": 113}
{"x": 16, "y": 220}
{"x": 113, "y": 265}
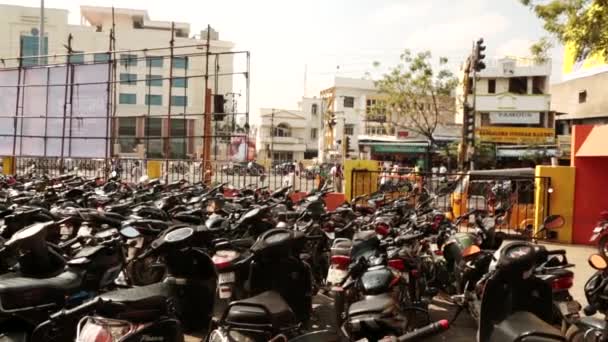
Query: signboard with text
{"x": 516, "y": 135}
{"x": 525, "y": 118}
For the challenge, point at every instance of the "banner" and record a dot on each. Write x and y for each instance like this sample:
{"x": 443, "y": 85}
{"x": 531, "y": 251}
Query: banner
{"x": 524, "y": 118}
{"x": 516, "y": 135}
{"x": 39, "y": 123}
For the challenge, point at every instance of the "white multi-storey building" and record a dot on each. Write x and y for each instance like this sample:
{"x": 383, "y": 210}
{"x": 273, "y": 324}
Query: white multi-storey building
{"x": 353, "y": 102}
{"x": 289, "y": 135}
{"x": 512, "y": 105}
{"x": 143, "y": 94}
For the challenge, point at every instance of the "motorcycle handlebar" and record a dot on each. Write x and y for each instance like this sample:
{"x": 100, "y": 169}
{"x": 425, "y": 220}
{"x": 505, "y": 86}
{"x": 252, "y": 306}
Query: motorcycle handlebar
{"x": 79, "y": 310}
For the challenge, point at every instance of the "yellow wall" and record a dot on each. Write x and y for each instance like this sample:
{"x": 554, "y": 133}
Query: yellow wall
{"x": 8, "y": 165}
{"x": 364, "y": 182}
{"x": 154, "y": 167}
{"x": 561, "y": 201}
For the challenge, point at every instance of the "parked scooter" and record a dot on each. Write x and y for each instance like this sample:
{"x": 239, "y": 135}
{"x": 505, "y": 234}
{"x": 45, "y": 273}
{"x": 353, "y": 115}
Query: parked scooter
{"x": 516, "y": 305}
{"x": 600, "y": 234}
{"x": 596, "y": 291}
{"x": 157, "y": 312}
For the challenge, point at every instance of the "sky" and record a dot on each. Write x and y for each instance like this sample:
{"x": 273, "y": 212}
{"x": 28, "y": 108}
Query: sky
{"x": 328, "y": 38}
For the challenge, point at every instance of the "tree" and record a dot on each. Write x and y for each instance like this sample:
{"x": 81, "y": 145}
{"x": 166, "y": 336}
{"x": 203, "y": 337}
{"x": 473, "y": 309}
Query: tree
{"x": 581, "y": 23}
{"x": 415, "y": 95}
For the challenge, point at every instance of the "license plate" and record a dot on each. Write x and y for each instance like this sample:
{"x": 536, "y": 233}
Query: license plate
{"x": 225, "y": 278}
{"x": 225, "y": 292}
{"x": 335, "y": 275}
{"x": 570, "y": 307}
{"x": 65, "y": 230}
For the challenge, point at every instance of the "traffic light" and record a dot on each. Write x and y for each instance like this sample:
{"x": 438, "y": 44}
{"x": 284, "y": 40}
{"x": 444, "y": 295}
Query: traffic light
{"x": 469, "y": 124}
{"x": 332, "y": 120}
{"x": 479, "y": 56}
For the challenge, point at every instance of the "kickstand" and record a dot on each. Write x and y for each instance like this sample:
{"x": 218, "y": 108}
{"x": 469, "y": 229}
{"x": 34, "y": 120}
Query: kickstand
{"x": 458, "y": 311}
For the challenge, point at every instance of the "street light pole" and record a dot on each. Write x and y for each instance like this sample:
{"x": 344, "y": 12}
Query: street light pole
{"x": 41, "y": 33}
{"x": 272, "y": 138}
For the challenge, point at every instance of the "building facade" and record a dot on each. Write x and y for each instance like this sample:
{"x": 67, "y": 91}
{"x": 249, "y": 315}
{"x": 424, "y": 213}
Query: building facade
{"x": 512, "y": 106}
{"x": 284, "y": 135}
{"x": 145, "y": 95}
{"x": 373, "y": 133}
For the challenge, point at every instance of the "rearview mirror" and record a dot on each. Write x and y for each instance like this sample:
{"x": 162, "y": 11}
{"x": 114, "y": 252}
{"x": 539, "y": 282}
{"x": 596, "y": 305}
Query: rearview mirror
{"x": 597, "y": 262}
{"x": 129, "y": 232}
{"x": 554, "y": 222}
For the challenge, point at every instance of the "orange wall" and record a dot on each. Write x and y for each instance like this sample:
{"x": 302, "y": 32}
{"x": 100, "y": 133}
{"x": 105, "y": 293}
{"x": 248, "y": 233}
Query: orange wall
{"x": 590, "y": 195}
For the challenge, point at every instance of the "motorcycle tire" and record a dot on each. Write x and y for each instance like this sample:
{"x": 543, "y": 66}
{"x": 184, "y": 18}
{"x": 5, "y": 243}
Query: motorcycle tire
{"x": 141, "y": 272}
{"x": 602, "y": 246}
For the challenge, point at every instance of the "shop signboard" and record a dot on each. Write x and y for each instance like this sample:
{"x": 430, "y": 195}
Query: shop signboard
{"x": 516, "y": 135}
{"x": 522, "y": 118}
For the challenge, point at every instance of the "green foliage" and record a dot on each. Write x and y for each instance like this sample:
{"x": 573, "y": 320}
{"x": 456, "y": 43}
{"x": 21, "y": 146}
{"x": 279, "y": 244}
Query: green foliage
{"x": 415, "y": 92}
{"x": 580, "y": 22}
{"x": 540, "y": 50}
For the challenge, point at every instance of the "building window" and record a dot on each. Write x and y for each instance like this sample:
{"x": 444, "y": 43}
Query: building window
{"x": 349, "y": 102}
{"x": 313, "y": 133}
{"x": 154, "y": 80}
{"x": 279, "y": 157}
{"x": 179, "y": 100}
{"x": 103, "y": 57}
{"x": 128, "y": 59}
{"x": 154, "y": 61}
{"x": 76, "y": 58}
{"x": 180, "y": 82}
{"x": 154, "y": 100}
{"x": 178, "y": 138}
{"x": 29, "y": 47}
{"x": 491, "y": 86}
{"x": 538, "y": 84}
{"x": 349, "y": 129}
{"x": 125, "y": 98}
{"x": 128, "y": 78}
{"x": 153, "y": 131}
{"x": 314, "y": 109}
{"x": 127, "y": 132}
{"x": 282, "y": 130}
{"x": 582, "y": 96}
{"x": 180, "y": 62}
{"x": 518, "y": 85}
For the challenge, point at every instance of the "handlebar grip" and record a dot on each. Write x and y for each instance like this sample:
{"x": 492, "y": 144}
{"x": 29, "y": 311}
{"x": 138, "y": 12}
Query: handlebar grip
{"x": 425, "y": 331}
{"x": 589, "y": 310}
{"x": 557, "y": 252}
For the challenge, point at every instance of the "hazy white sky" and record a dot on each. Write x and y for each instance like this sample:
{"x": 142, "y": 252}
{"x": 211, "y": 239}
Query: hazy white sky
{"x": 339, "y": 37}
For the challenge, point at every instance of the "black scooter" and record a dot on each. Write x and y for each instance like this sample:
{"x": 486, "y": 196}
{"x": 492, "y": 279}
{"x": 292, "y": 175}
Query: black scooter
{"x": 516, "y": 305}
{"x": 281, "y": 284}
{"x": 157, "y": 312}
{"x": 43, "y": 282}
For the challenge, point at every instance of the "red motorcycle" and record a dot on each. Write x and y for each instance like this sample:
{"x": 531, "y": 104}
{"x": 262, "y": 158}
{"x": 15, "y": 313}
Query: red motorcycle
{"x": 601, "y": 231}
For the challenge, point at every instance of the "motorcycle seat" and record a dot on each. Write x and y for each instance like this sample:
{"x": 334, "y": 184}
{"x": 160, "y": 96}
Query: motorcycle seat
{"x": 525, "y": 327}
{"x": 267, "y": 308}
{"x": 137, "y": 303}
{"x": 16, "y": 291}
{"x": 372, "y": 305}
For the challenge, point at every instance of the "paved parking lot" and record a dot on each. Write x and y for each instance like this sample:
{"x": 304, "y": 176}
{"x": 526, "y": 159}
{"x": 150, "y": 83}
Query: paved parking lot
{"x": 464, "y": 329}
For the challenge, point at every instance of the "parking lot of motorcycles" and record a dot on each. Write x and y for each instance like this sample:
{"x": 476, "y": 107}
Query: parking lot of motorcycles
{"x": 94, "y": 260}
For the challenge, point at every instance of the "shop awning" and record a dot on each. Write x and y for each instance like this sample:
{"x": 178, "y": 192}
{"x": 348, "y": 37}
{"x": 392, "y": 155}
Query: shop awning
{"x": 394, "y": 148}
{"x": 596, "y": 144}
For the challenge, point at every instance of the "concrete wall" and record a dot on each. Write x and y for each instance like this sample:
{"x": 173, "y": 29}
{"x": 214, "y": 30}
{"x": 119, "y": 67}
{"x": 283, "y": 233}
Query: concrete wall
{"x": 565, "y": 96}
{"x": 591, "y": 183}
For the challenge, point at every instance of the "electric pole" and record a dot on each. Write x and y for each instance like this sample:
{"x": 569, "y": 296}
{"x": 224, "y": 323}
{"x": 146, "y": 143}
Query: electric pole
{"x": 272, "y": 138}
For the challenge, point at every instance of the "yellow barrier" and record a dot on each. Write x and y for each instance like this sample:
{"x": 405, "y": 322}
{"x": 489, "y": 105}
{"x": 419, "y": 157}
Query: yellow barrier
{"x": 561, "y": 198}
{"x": 154, "y": 169}
{"x": 8, "y": 165}
{"x": 363, "y": 183}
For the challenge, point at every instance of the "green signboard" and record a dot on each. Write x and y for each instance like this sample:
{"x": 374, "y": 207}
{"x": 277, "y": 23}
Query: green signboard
{"x": 398, "y": 149}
